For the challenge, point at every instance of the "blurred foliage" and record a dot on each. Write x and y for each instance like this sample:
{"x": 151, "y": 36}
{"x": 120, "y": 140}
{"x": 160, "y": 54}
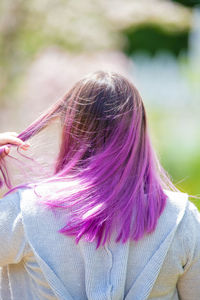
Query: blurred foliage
{"x": 171, "y": 92}
{"x": 28, "y": 27}
{"x": 170, "y": 86}
{"x": 189, "y": 3}
{"x": 151, "y": 38}
{"x": 181, "y": 161}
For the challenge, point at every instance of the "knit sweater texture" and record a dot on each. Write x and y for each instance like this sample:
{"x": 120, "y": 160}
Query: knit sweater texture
{"x": 38, "y": 263}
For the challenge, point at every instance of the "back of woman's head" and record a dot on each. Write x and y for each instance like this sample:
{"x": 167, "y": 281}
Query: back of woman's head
{"x": 103, "y": 117}
{"x": 112, "y": 182}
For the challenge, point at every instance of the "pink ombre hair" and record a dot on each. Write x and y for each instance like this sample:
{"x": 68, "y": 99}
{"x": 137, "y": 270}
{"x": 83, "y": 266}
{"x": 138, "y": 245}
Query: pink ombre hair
{"x": 106, "y": 156}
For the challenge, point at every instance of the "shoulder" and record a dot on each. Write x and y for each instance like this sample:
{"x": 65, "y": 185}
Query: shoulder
{"x": 172, "y": 215}
{"x": 36, "y": 214}
{"x": 181, "y": 216}
{"x": 188, "y": 229}
{"x": 186, "y": 212}
{"x": 10, "y": 202}
{"x": 176, "y": 200}
{"x": 12, "y": 237}
{"x": 190, "y": 225}
{"x": 16, "y": 203}
{"x": 180, "y": 202}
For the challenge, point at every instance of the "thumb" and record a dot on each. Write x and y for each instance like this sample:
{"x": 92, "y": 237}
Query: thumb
{"x": 6, "y": 150}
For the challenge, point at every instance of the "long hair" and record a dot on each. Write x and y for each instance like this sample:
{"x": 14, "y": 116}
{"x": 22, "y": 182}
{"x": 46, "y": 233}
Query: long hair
{"x": 111, "y": 178}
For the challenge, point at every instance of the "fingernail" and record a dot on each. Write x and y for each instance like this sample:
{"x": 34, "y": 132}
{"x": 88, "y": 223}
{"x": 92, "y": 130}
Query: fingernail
{"x": 24, "y": 145}
{"x": 6, "y": 150}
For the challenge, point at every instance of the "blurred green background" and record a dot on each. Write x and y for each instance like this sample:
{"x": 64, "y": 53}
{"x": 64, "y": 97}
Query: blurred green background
{"x": 45, "y": 46}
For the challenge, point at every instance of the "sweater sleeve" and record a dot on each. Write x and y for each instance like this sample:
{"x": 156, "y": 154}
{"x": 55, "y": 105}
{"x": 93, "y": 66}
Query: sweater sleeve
{"x": 12, "y": 238}
{"x": 189, "y": 282}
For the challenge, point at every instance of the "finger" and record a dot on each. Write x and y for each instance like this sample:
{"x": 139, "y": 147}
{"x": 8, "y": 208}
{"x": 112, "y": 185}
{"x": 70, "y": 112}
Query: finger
{"x": 13, "y": 133}
{"x": 25, "y": 146}
{"x": 11, "y": 138}
{"x": 14, "y": 140}
{"x": 5, "y": 152}
{"x": 6, "y": 138}
{"x": 9, "y": 133}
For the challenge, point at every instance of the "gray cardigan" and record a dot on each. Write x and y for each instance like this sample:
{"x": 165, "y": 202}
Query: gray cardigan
{"x": 37, "y": 262}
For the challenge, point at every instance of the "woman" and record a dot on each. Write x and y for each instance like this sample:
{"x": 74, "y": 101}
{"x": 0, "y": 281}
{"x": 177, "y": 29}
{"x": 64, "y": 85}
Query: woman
{"x": 108, "y": 223}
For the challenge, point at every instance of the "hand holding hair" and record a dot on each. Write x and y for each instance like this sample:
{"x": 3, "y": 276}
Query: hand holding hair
{"x": 10, "y": 138}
